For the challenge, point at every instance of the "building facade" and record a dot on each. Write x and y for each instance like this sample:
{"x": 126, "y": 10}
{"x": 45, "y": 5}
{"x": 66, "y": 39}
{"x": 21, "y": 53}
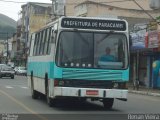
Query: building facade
{"x": 33, "y": 17}
{"x": 1, "y": 50}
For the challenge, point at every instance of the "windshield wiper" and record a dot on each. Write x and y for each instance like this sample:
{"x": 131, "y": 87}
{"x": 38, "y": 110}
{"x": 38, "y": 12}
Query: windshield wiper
{"x": 107, "y": 35}
{"x": 84, "y": 40}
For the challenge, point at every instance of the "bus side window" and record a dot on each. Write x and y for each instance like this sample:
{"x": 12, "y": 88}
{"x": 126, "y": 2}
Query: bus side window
{"x": 53, "y": 35}
{"x": 40, "y": 43}
{"x": 30, "y": 44}
{"x": 46, "y": 41}
{"x": 54, "y": 32}
{"x": 32, "y": 40}
{"x": 35, "y": 44}
{"x": 49, "y": 42}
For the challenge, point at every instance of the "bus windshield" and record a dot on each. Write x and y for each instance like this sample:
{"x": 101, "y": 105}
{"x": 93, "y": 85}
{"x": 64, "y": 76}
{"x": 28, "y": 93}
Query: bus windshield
{"x": 92, "y": 50}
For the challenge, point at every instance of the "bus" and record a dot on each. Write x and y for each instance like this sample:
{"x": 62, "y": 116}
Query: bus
{"x": 67, "y": 60}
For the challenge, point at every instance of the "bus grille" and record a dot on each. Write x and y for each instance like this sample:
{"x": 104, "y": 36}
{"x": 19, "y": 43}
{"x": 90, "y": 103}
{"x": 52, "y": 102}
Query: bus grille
{"x": 91, "y": 75}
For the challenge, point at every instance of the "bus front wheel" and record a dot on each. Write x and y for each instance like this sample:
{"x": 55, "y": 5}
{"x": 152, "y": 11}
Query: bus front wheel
{"x": 108, "y": 103}
{"x": 50, "y": 101}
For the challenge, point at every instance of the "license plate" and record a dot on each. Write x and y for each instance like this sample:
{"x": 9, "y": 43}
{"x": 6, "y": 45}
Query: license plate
{"x": 92, "y": 92}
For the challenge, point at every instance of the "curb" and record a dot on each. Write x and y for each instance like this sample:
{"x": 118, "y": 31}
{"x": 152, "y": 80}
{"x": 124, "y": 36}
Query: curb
{"x": 144, "y": 93}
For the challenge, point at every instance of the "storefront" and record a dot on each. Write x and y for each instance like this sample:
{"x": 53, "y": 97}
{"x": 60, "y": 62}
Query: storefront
{"x": 153, "y": 68}
{"x": 138, "y": 59}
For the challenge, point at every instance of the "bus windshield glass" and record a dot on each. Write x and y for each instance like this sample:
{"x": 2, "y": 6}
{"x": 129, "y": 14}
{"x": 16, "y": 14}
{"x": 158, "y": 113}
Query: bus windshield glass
{"x": 92, "y": 50}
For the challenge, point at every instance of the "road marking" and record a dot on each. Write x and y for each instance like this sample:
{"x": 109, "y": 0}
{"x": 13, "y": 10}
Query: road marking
{"x": 22, "y": 105}
{"x": 24, "y": 87}
{"x": 9, "y": 87}
{"x": 13, "y": 86}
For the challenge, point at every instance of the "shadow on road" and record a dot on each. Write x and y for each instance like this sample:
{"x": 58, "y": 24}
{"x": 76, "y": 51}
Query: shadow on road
{"x": 75, "y": 105}
{"x": 78, "y": 106}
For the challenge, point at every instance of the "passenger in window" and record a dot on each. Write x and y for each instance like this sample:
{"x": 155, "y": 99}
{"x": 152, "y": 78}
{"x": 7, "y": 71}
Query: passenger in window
{"x": 107, "y": 57}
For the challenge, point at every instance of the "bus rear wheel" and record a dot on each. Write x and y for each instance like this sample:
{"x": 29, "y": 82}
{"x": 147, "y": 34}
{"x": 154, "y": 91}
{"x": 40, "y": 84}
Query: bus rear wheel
{"x": 108, "y": 103}
{"x": 34, "y": 93}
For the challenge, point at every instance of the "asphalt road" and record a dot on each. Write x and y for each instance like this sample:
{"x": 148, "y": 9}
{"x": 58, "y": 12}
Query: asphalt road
{"x": 15, "y": 97}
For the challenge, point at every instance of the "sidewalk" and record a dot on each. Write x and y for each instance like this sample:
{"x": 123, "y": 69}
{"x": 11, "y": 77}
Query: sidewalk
{"x": 145, "y": 91}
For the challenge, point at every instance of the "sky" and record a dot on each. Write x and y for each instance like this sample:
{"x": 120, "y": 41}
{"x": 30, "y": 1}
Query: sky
{"x": 11, "y": 9}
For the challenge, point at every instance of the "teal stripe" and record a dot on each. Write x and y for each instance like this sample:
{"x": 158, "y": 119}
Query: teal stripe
{"x": 96, "y": 74}
{"x": 125, "y": 75}
{"x": 40, "y": 68}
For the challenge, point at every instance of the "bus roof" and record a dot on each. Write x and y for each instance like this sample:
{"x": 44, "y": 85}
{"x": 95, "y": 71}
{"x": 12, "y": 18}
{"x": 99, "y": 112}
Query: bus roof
{"x": 94, "y": 23}
{"x": 90, "y": 23}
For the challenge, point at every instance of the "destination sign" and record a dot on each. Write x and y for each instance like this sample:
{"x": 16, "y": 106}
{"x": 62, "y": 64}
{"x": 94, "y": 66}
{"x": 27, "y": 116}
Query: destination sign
{"x": 93, "y": 24}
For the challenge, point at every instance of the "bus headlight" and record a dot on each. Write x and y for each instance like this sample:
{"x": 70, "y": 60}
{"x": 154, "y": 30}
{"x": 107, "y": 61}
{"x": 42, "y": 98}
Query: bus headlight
{"x": 115, "y": 85}
{"x": 120, "y": 85}
{"x": 61, "y": 83}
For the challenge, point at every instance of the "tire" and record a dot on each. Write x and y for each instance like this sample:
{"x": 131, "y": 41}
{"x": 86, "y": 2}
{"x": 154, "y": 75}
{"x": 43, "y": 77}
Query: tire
{"x": 82, "y": 100}
{"x": 108, "y": 103}
{"x": 12, "y": 77}
{"x": 49, "y": 100}
{"x": 34, "y": 93}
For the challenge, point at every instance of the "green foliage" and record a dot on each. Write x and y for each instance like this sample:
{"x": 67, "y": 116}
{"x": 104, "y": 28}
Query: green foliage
{"x": 7, "y": 25}
{"x": 6, "y": 29}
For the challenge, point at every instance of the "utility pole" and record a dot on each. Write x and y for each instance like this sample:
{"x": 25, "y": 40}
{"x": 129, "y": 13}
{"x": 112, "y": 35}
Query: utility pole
{"x": 52, "y": 13}
{"x": 7, "y": 47}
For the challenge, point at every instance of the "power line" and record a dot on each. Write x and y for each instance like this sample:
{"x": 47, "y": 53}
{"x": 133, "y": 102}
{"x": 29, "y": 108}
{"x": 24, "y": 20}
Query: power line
{"x": 11, "y": 1}
{"x": 116, "y": 1}
{"x": 143, "y": 9}
{"x": 73, "y": 3}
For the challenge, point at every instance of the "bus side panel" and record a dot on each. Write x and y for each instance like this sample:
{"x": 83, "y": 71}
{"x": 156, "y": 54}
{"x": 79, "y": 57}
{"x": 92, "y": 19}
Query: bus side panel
{"x": 125, "y": 75}
{"x": 39, "y": 74}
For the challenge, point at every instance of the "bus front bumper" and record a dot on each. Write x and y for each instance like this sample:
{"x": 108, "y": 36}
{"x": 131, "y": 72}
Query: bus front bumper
{"x": 90, "y": 92}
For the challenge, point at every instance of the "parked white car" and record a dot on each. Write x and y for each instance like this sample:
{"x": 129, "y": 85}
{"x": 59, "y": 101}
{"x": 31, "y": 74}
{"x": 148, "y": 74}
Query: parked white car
{"x": 20, "y": 70}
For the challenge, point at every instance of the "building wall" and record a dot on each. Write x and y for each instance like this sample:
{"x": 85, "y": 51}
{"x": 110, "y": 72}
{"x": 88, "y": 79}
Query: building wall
{"x": 94, "y": 9}
{"x": 38, "y": 17}
{"x": 1, "y": 51}
{"x": 37, "y": 22}
{"x": 127, "y": 10}
{"x": 100, "y": 10}
{"x": 14, "y": 43}
{"x": 71, "y": 4}
{"x": 34, "y": 17}
{"x": 1, "y": 47}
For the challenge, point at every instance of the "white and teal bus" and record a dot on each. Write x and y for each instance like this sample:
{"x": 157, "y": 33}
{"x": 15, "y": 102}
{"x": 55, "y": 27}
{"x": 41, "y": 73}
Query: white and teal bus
{"x": 65, "y": 60}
